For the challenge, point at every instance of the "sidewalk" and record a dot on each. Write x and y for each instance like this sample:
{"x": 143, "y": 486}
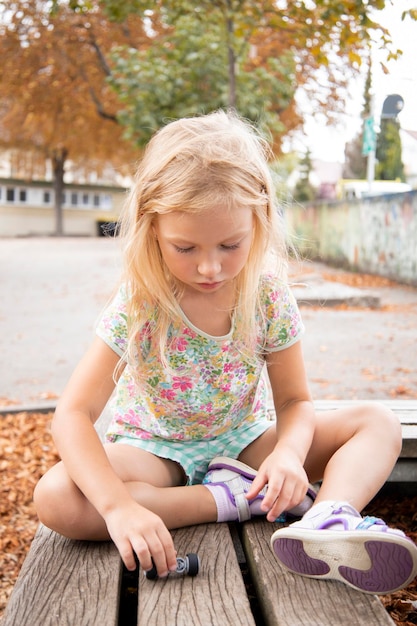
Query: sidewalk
{"x": 54, "y": 289}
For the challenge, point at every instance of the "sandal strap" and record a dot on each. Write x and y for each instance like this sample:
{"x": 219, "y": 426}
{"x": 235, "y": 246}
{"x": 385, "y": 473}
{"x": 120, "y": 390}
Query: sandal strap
{"x": 242, "y": 504}
{"x": 369, "y": 521}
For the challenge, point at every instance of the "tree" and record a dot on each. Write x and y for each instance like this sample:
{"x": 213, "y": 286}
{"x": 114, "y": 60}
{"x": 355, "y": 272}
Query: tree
{"x": 55, "y": 101}
{"x": 165, "y": 59}
{"x": 186, "y": 71}
{"x": 389, "y": 164}
{"x": 304, "y": 190}
{"x": 240, "y": 53}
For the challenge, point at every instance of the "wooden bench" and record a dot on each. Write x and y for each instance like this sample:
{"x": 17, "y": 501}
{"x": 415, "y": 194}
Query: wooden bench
{"x": 74, "y": 583}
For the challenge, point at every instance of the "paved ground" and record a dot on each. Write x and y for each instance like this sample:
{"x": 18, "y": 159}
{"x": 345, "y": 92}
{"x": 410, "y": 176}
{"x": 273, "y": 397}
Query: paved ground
{"x": 53, "y": 291}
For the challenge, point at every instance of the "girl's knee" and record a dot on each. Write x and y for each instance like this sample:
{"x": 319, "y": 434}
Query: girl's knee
{"x": 389, "y": 424}
{"x": 50, "y": 496}
{"x": 383, "y": 425}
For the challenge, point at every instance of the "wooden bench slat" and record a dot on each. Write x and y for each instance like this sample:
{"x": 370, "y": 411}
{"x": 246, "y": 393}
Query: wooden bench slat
{"x": 395, "y": 405}
{"x": 217, "y": 596}
{"x": 291, "y": 600}
{"x": 66, "y": 583}
{"x": 405, "y": 471}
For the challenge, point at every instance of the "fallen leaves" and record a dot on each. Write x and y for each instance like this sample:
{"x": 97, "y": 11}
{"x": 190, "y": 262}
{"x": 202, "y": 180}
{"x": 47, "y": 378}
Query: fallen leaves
{"x": 46, "y": 395}
{"x": 26, "y": 452}
{"x": 358, "y": 280}
{"x": 399, "y": 512}
{"x": 5, "y": 401}
{"x": 400, "y": 390}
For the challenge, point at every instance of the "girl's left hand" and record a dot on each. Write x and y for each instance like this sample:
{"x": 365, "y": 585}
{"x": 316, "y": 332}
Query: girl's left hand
{"x": 287, "y": 482}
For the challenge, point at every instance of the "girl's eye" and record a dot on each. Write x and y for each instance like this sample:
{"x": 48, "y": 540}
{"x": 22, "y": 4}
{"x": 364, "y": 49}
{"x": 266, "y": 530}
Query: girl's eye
{"x": 183, "y": 250}
{"x": 234, "y": 246}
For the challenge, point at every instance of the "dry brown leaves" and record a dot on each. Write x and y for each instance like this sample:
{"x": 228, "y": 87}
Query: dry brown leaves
{"x": 399, "y": 512}
{"x": 27, "y": 451}
{"x": 358, "y": 280}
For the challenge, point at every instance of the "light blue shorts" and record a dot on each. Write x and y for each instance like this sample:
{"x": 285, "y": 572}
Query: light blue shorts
{"x": 195, "y": 455}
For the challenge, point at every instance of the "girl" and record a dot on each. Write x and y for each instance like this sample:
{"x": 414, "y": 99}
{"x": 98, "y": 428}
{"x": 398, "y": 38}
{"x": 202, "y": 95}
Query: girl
{"x": 185, "y": 342}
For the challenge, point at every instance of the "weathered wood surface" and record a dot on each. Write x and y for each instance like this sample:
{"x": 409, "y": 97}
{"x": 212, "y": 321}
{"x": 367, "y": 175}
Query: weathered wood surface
{"x": 290, "y": 600}
{"x": 66, "y": 583}
{"x": 216, "y": 597}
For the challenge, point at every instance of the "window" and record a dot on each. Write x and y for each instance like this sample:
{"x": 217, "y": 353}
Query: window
{"x": 10, "y": 194}
{"x": 74, "y": 198}
{"x": 46, "y": 197}
{"x": 96, "y": 199}
{"x": 22, "y": 195}
{"x": 107, "y": 201}
{"x": 85, "y": 199}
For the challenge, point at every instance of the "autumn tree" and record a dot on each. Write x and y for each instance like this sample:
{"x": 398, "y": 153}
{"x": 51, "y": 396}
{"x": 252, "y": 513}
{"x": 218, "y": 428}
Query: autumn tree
{"x": 242, "y": 53}
{"x": 70, "y": 75}
{"x": 186, "y": 72}
{"x": 55, "y": 101}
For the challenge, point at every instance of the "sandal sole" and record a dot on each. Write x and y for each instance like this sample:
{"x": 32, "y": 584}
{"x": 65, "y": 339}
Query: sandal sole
{"x": 363, "y": 561}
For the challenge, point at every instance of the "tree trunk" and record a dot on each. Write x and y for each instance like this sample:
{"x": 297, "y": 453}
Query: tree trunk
{"x": 231, "y": 60}
{"x": 58, "y": 165}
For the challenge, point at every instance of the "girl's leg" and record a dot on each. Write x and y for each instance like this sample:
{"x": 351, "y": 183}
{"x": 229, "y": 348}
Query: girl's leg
{"x": 354, "y": 450}
{"x": 157, "y": 486}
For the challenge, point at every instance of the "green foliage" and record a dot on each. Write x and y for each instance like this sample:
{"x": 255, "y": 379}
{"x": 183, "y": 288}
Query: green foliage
{"x": 388, "y": 152}
{"x": 304, "y": 190}
{"x": 186, "y": 71}
{"x": 193, "y": 57}
{"x": 199, "y": 59}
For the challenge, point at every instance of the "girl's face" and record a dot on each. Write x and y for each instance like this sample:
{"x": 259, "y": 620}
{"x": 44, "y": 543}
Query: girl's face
{"x": 205, "y": 251}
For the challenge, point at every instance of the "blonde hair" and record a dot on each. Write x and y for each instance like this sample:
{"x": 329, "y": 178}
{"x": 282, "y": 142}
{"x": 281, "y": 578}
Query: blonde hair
{"x": 191, "y": 165}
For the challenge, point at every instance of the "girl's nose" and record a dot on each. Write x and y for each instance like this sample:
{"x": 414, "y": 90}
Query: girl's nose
{"x": 209, "y": 266}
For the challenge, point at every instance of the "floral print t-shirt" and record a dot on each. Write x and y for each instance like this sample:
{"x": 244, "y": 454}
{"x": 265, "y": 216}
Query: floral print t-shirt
{"x": 211, "y": 385}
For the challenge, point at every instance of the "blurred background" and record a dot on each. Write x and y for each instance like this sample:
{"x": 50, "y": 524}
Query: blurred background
{"x": 333, "y": 85}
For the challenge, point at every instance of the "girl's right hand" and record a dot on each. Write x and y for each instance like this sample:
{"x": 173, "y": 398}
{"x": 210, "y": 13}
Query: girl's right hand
{"x": 136, "y": 530}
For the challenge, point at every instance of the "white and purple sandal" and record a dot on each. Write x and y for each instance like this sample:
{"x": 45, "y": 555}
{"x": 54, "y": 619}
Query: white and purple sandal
{"x": 338, "y": 543}
{"x": 235, "y": 478}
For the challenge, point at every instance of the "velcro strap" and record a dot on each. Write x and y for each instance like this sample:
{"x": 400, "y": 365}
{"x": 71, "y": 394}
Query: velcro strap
{"x": 242, "y": 506}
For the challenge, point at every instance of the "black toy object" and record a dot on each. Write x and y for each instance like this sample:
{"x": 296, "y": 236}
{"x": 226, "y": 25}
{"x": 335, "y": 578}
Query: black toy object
{"x": 188, "y": 566}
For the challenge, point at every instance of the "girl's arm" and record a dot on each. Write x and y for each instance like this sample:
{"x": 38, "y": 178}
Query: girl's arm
{"x": 283, "y": 469}
{"x": 129, "y": 524}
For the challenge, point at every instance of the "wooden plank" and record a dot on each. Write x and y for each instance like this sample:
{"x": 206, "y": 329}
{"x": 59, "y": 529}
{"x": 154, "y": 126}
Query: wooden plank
{"x": 409, "y": 447}
{"x": 66, "y": 583}
{"x": 291, "y": 600}
{"x": 405, "y": 471}
{"x": 399, "y": 406}
{"x": 216, "y": 596}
